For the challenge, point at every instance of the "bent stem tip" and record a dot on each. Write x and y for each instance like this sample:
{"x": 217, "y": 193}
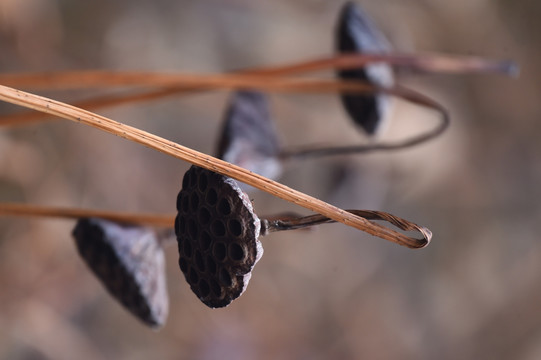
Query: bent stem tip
{"x": 272, "y": 225}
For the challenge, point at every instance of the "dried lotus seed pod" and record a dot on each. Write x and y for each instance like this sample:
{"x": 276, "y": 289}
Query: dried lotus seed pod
{"x": 217, "y": 233}
{"x": 248, "y": 138}
{"x": 356, "y": 33}
{"x": 130, "y": 263}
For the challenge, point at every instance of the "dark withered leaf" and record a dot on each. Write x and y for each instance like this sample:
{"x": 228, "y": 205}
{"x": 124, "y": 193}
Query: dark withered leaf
{"x": 130, "y": 263}
{"x": 248, "y": 137}
{"x": 356, "y": 33}
{"x": 217, "y": 233}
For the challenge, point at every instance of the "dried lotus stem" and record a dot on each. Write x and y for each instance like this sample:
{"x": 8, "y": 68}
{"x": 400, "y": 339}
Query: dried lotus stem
{"x": 200, "y": 159}
{"x": 28, "y": 117}
{"x": 410, "y": 95}
{"x": 421, "y": 63}
{"x": 268, "y": 226}
{"x": 28, "y": 210}
{"x": 255, "y": 78}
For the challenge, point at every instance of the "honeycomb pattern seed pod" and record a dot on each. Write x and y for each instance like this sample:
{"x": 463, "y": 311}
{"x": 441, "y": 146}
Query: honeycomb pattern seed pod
{"x": 129, "y": 262}
{"x": 217, "y": 233}
{"x": 248, "y": 137}
{"x": 356, "y": 33}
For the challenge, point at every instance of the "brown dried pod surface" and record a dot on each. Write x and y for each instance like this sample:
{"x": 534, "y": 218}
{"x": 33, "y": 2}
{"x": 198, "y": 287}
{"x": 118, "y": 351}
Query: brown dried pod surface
{"x": 356, "y": 33}
{"x": 249, "y": 137}
{"x": 130, "y": 263}
{"x": 217, "y": 233}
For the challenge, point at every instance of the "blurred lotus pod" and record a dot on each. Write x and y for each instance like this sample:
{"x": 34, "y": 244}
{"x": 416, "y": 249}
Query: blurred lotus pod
{"x": 217, "y": 233}
{"x": 356, "y": 33}
{"x": 130, "y": 262}
{"x": 248, "y": 137}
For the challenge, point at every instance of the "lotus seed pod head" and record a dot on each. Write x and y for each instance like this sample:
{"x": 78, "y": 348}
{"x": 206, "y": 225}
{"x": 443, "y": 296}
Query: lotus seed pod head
{"x": 356, "y": 33}
{"x": 248, "y": 138}
{"x": 129, "y": 262}
{"x": 217, "y": 233}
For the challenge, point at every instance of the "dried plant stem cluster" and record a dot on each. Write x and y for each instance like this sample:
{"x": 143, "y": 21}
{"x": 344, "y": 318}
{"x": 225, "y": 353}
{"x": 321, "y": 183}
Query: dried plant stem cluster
{"x": 174, "y": 84}
{"x": 216, "y": 227}
{"x": 29, "y": 210}
{"x": 266, "y": 79}
{"x": 208, "y": 162}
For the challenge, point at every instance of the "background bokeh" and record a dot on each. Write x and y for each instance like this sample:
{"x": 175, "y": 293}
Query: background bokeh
{"x": 332, "y": 292}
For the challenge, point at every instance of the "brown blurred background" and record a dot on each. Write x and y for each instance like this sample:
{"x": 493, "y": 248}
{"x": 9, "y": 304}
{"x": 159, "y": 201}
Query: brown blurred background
{"x": 334, "y": 292}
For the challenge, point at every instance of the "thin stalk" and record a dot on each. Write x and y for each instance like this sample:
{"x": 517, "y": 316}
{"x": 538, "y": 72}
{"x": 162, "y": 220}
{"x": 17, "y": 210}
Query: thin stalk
{"x": 28, "y": 117}
{"x": 271, "y": 224}
{"x": 28, "y": 210}
{"x": 410, "y": 95}
{"x": 100, "y": 78}
{"x": 208, "y": 162}
{"x": 268, "y": 226}
{"x": 420, "y": 63}
{"x": 315, "y": 86}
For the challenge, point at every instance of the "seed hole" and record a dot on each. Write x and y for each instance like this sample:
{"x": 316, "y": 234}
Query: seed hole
{"x": 188, "y": 250}
{"x": 203, "y": 182}
{"x": 180, "y": 224}
{"x": 192, "y": 229}
{"x": 211, "y": 265}
{"x": 194, "y": 202}
{"x": 185, "y": 181}
{"x": 185, "y": 204}
{"x": 183, "y": 264}
{"x": 204, "y": 216}
{"x": 199, "y": 262}
{"x": 179, "y": 201}
{"x": 219, "y": 251}
{"x": 193, "y": 178}
{"x": 204, "y": 288}
{"x": 218, "y": 228}
{"x": 224, "y": 208}
{"x": 236, "y": 252}
{"x": 235, "y": 227}
{"x": 215, "y": 288}
{"x": 225, "y": 278}
{"x": 212, "y": 197}
{"x": 180, "y": 242}
{"x": 194, "y": 277}
{"x": 205, "y": 241}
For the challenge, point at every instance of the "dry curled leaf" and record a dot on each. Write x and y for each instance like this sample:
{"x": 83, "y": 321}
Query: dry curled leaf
{"x": 130, "y": 263}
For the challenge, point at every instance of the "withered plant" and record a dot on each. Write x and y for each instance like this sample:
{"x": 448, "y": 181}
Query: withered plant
{"x": 216, "y": 227}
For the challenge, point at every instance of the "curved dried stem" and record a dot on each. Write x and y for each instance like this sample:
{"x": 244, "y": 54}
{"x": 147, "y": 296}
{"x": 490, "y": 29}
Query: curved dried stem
{"x": 277, "y": 85}
{"x": 208, "y": 162}
{"x": 420, "y": 63}
{"x": 423, "y": 63}
{"x": 402, "y": 92}
{"x": 268, "y": 226}
{"x": 28, "y": 117}
{"x": 100, "y": 78}
{"x": 28, "y": 210}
